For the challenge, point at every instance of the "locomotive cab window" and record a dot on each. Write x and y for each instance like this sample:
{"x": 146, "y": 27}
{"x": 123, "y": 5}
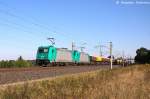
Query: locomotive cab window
{"x": 43, "y": 50}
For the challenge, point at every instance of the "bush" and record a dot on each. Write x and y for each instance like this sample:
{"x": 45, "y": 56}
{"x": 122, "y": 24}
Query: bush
{"x": 18, "y": 63}
{"x": 4, "y": 63}
{"x": 22, "y": 63}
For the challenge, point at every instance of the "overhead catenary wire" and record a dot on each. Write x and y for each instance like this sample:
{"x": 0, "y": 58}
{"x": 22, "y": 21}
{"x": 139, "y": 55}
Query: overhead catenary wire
{"x": 23, "y": 30}
{"x": 11, "y": 13}
{"x": 29, "y": 19}
{"x": 20, "y": 27}
{"x": 25, "y": 37}
{"x": 26, "y": 29}
{"x": 37, "y": 24}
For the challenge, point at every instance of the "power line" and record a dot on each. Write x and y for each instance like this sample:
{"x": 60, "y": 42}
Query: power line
{"x": 16, "y": 27}
{"x": 25, "y": 20}
{"x": 10, "y": 12}
{"x": 22, "y": 18}
{"x": 14, "y": 23}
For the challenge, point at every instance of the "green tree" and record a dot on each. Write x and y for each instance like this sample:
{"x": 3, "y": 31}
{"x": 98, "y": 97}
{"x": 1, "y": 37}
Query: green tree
{"x": 143, "y": 55}
{"x": 149, "y": 56}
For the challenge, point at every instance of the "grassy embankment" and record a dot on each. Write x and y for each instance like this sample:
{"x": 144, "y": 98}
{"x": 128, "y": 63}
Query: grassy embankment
{"x": 122, "y": 83}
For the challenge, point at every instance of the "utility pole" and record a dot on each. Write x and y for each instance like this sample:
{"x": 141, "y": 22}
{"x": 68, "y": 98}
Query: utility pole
{"x": 100, "y": 50}
{"x": 130, "y": 60}
{"x": 73, "y": 46}
{"x": 123, "y": 58}
{"x": 111, "y": 55}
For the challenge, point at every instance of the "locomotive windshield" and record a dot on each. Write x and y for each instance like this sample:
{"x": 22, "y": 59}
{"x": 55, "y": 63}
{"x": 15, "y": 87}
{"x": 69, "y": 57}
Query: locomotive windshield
{"x": 43, "y": 50}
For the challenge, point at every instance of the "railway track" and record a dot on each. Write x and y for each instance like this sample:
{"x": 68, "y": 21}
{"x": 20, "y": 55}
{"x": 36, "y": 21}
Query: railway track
{"x": 13, "y": 75}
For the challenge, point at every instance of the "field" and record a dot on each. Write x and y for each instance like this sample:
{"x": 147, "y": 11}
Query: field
{"x": 119, "y": 83}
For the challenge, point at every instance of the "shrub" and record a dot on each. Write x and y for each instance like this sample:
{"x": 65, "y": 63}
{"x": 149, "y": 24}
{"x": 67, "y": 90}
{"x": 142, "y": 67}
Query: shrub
{"x": 22, "y": 63}
{"x": 18, "y": 63}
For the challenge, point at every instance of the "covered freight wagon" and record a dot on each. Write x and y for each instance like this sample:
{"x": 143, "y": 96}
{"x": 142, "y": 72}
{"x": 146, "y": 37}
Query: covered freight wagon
{"x": 67, "y": 56}
{"x": 84, "y": 58}
{"x": 63, "y": 55}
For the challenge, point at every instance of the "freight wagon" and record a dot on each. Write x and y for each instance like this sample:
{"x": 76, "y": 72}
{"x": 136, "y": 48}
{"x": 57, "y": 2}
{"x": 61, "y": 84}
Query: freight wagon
{"x": 65, "y": 56}
{"x": 99, "y": 60}
{"x": 84, "y": 58}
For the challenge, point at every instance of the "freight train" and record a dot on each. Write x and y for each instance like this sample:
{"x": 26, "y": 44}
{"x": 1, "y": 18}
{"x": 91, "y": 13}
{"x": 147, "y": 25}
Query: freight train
{"x": 50, "y": 55}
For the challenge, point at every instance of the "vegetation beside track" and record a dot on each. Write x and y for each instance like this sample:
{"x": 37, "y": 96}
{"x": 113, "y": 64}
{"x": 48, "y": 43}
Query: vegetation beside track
{"x": 20, "y": 62}
{"x": 121, "y": 83}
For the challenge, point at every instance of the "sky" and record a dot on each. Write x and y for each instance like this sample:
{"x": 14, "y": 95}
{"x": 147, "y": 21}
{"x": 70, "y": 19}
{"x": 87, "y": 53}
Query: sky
{"x": 26, "y": 24}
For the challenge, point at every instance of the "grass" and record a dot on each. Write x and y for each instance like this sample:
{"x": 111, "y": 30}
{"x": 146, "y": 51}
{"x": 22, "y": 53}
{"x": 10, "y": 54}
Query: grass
{"x": 121, "y": 83}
